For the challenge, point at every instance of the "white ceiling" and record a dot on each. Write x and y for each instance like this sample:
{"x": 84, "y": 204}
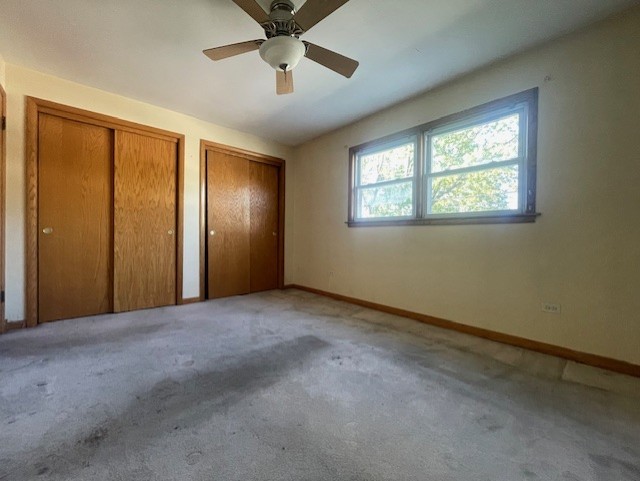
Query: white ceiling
{"x": 151, "y": 50}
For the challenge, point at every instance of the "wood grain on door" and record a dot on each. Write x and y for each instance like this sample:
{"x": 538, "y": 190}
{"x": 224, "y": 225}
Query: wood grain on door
{"x": 75, "y": 212}
{"x": 264, "y": 226}
{"x": 228, "y": 225}
{"x": 144, "y": 222}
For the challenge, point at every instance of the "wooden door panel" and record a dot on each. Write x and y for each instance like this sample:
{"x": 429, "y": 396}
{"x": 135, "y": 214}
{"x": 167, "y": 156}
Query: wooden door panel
{"x": 75, "y": 212}
{"x": 264, "y": 226}
{"x": 144, "y": 222}
{"x": 228, "y": 216}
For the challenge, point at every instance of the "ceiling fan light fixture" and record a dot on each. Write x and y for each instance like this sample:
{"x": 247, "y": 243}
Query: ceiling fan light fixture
{"x": 283, "y": 49}
{"x": 282, "y": 52}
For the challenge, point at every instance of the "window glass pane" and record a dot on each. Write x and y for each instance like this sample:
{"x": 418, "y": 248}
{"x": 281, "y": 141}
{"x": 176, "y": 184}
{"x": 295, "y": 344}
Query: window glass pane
{"x": 391, "y": 200}
{"x": 485, "y": 190}
{"x": 488, "y": 142}
{"x": 389, "y": 164}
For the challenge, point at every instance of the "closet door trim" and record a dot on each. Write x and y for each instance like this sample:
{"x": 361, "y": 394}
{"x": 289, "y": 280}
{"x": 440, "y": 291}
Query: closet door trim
{"x": 34, "y": 108}
{"x": 3, "y": 195}
{"x": 205, "y": 146}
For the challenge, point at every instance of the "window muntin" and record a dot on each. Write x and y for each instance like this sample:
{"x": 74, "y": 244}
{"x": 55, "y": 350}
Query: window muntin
{"x": 385, "y": 180}
{"x": 475, "y": 166}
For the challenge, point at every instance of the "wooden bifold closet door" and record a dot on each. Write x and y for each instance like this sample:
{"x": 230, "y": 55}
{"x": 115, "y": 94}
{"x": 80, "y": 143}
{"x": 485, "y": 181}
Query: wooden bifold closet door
{"x": 107, "y": 218}
{"x": 228, "y": 224}
{"x": 75, "y": 212}
{"x": 242, "y": 225}
{"x": 144, "y": 222}
{"x": 263, "y": 202}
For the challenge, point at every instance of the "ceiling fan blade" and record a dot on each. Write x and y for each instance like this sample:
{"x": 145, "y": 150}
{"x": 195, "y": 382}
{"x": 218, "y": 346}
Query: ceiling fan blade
{"x": 332, "y": 60}
{"x": 218, "y": 53}
{"x": 314, "y": 11}
{"x": 284, "y": 82}
{"x": 254, "y": 10}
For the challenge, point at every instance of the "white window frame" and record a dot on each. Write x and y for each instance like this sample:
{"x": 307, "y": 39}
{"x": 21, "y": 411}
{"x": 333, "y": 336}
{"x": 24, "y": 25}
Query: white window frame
{"x": 524, "y": 103}
{"x": 520, "y": 160}
{"x": 359, "y": 187}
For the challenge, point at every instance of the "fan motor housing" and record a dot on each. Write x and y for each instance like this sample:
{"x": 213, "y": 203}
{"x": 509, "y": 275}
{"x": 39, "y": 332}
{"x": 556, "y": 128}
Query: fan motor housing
{"x": 281, "y": 20}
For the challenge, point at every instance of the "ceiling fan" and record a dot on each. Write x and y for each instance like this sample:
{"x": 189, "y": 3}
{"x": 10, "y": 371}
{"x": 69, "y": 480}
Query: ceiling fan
{"x": 283, "y": 49}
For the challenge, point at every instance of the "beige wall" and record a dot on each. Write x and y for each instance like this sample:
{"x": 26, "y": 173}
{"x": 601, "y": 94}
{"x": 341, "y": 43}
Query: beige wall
{"x": 583, "y": 252}
{"x": 2, "y": 70}
{"x": 22, "y": 82}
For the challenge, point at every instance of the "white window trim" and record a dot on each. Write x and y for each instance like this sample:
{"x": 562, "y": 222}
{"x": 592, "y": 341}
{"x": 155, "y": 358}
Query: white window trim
{"x": 524, "y": 103}
{"x": 357, "y": 188}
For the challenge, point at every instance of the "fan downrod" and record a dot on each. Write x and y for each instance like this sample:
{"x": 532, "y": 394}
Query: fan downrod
{"x": 285, "y": 5}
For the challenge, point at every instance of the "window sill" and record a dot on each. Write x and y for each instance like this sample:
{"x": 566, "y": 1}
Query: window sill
{"x": 459, "y": 220}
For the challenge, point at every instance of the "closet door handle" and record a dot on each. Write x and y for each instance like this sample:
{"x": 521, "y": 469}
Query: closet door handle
{"x": 212, "y": 233}
{"x": 170, "y": 232}
{"x": 274, "y": 234}
{"x": 47, "y": 230}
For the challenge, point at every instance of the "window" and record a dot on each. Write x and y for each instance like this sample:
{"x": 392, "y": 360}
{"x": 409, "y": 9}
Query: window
{"x": 475, "y": 166}
{"x": 385, "y": 180}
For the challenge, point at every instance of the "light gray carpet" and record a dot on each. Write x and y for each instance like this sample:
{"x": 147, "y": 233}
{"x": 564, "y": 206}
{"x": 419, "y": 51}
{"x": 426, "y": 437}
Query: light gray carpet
{"x": 287, "y": 385}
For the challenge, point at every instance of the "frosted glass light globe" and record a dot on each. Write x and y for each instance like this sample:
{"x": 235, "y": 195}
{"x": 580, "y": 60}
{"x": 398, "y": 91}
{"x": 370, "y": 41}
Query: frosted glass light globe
{"x": 282, "y": 52}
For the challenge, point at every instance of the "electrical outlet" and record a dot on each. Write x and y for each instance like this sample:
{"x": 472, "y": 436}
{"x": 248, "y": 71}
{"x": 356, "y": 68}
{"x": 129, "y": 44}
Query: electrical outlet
{"x": 552, "y": 308}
